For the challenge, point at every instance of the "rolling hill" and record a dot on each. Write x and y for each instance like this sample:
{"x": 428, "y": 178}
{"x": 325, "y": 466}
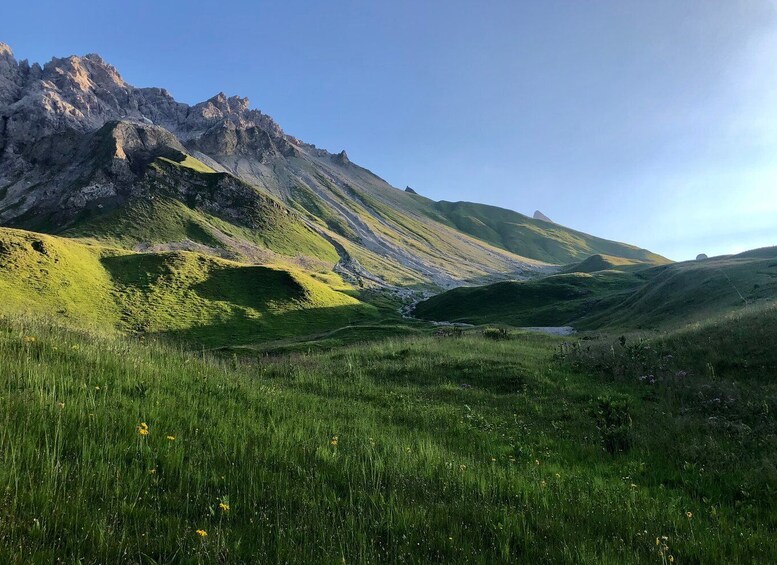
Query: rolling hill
{"x": 662, "y": 297}
{"x": 184, "y": 295}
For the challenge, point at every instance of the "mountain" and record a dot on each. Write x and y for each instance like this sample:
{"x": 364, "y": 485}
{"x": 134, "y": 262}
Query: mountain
{"x": 85, "y": 154}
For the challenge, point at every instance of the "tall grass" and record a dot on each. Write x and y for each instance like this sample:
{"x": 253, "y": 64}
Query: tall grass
{"x": 408, "y": 450}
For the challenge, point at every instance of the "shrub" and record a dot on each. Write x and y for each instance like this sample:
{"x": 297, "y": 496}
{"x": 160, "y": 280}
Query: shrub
{"x": 496, "y": 333}
{"x": 613, "y": 420}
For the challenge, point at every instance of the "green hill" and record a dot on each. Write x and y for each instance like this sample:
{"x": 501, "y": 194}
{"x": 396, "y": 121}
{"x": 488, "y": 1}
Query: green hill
{"x": 660, "y": 297}
{"x": 557, "y": 300}
{"x": 186, "y": 295}
{"x": 600, "y": 262}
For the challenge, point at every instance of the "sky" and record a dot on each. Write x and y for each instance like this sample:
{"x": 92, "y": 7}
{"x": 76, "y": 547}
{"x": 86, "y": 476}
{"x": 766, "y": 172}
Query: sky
{"x": 653, "y": 123}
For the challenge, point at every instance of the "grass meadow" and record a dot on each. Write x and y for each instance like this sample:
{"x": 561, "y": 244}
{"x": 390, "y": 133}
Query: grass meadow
{"x": 405, "y": 450}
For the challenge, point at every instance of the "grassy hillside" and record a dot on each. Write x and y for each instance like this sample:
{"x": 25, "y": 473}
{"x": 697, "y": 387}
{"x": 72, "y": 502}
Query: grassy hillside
{"x": 532, "y": 238}
{"x": 599, "y": 262}
{"x": 663, "y": 297}
{"x": 551, "y": 301}
{"x": 189, "y": 296}
{"x": 412, "y": 450}
{"x": 186, "y": 202}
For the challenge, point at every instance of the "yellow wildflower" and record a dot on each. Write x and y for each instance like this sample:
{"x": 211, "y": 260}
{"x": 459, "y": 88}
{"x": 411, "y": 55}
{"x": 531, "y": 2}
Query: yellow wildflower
{"x": 333, "y": 441}
{"x": 689, "y": 514}
{"x": 224, "y": 506}
{"x": 143, "y": 429}
{"x": 201, "y": 533}
{"x": 171, "y": 438}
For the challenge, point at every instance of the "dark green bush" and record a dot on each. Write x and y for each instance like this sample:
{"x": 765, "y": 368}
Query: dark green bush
{"x": 613, "y": 420}
{"x": 496, "y": 334}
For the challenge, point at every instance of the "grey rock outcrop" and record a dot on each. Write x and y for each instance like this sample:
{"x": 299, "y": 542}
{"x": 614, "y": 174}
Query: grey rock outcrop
{"x": 540, "y": 216}
{"x": 701, "y": 257}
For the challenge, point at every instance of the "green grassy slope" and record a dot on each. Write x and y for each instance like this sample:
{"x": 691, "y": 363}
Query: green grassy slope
{"x": 536, "y": 239}
{"x": 661, "y": 297}
{"x": 600, "y": 262}
{"x": 169, "y": 213}
{"x": 180, "y": 294}
{"x": 413, "y": 450}
{"x": 551, "y": 301}
{"x": 677, "y": 294}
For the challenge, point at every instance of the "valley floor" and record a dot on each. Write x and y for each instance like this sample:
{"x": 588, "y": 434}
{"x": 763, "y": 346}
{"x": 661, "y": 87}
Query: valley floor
{"x": 488, "y": 447}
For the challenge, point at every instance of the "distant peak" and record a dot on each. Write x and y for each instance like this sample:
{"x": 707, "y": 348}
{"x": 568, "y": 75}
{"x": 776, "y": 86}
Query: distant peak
{"x": 5, "y": 51}
{"x": 229, "y": 104}
{"x": 95, "y": 58}
{"x": 410, "y": 190}
{"x": 540, "y": 216}
{"x": 342, "y": 158}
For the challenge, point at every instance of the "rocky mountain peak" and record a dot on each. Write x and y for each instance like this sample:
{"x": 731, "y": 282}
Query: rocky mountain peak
{"x": 6, "y": 53}
{"x": 342, "y": 158}
{"x": 9, "y": 74}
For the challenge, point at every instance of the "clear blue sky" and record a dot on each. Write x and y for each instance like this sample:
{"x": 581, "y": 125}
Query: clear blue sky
{"x": 652, "y": 122}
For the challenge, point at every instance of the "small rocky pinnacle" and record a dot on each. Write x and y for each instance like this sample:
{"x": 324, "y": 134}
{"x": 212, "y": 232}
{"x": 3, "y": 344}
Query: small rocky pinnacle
{"x": 410, "y": 190}
{"x": 540, "y": 216}
{"x": 342, "y": 158}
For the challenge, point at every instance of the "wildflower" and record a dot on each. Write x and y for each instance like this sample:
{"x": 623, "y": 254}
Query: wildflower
{"x": 689, "y": 514}
{"x": 658, "y": 542}
{"x": 201, "y": 533}
{"x": 224, "y": 506}
{"x": 333, "y": 441}
{"x": 408, "y": 450}
{"x": 143, "y": 429}
{"x": 536, "y": 461}
{"x": 558, "y": 475}
{"x": 61, "y": 404}
{"x": 152, "y": 471}
{"x": 493, "y": 460}
{"x": 171, "y": 438}
{"x": 29, "y": 339}
{"x": 671, "y": 559}
{"x": 463, "y": 467}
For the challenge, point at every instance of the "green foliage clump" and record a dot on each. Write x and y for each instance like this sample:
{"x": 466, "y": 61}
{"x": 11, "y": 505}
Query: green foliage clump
{"x": 496, "y": 334}
{"x": 613, "y": 420}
